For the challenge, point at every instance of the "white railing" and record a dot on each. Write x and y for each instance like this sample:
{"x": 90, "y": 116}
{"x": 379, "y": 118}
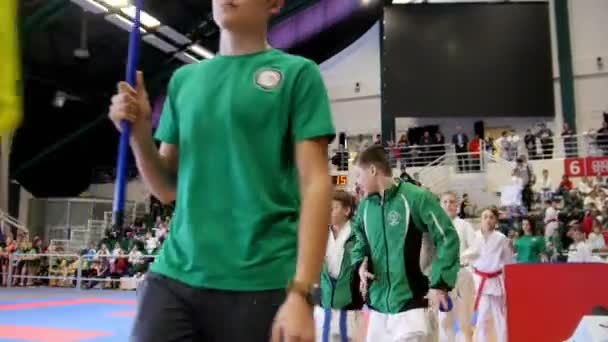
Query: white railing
{"x": 66, "y": 270}
{"x": 8, "y": 222}
{"x": 569, "y": 146}
{"x": 589, "y": 144}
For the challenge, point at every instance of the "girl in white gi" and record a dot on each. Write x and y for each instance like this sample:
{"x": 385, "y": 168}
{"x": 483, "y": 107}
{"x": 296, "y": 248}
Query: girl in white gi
{"x": 455, "y": 324}
{"x": 493, "y": 252}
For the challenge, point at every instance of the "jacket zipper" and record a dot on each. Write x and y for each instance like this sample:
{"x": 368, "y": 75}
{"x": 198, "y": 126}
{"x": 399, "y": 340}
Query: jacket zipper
{"x": 388, "y": 277}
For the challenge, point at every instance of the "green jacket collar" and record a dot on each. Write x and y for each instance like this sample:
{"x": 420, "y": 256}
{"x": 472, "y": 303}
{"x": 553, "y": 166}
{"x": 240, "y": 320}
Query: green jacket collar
{"x": 388, "y": 193}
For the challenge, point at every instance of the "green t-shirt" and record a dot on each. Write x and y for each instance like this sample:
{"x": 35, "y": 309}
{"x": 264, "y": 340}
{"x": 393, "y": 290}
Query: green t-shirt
{"x": 529, "y": 248}
{"x": 236, "y": 121}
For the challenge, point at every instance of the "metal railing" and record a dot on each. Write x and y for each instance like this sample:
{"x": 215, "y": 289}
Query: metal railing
{"x": 9, "y": 223}
{"x": 399, "y": 155}
{"x": 65, "y": 270}
{"x": 6, "y": 219}
{"x": 568, "y": 146}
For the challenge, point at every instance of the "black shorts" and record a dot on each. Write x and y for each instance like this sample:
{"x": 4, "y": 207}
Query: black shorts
{"x": 168, "y": 310}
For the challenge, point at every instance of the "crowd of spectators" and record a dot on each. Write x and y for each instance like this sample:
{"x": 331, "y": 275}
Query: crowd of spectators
{"x": 538, "y": 143}
{"x": 115, "y": 257}
{"x": 571, "y": 221}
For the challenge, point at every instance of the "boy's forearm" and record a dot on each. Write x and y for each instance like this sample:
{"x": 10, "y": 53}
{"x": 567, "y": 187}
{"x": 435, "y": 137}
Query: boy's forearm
{"x": 312, "y": 230}
{"x": 155, "y": 174}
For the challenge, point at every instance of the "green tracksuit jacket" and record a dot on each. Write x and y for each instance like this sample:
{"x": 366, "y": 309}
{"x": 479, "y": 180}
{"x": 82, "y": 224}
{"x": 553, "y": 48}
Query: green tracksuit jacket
{"x": 343, "y": 292}
{"x": 389, "y": 232}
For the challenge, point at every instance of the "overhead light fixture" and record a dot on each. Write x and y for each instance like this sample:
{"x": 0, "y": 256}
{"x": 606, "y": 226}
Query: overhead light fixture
{"x": 146, "y": 19}
{"x": 186, "y": 58}
{"x": 60, "y": 98}
{"x": 159, "y": 43}
{"x": 91, "y": 6}
{"x": 123, "y": 23}
{"x": 175, "y": 36}
{"x": 201, "y": 51}
{"x": 116, "y": 3}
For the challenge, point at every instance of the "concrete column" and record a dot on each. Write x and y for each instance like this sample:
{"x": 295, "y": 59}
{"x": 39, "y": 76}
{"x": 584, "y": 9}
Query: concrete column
{"x": 5, "y": 149}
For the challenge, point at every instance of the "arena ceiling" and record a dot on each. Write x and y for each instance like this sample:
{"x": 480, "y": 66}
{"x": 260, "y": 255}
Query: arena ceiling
{"x": 72, "y": 60}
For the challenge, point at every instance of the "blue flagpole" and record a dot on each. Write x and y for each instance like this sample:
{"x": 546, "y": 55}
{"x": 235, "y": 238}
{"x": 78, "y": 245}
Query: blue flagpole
{"x": 120, "y": 187}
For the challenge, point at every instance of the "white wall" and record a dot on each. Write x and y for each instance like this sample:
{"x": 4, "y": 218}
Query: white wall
{"x": 589, "y": 36}
{"x": 360, "y": 112}
{"x": 356, "y": 112}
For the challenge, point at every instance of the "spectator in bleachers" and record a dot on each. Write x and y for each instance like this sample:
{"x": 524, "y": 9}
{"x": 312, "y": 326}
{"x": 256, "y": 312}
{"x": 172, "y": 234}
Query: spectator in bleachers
{"x": 504, "y": 146}
{"x": 10, "y": 246}
{"x": 551, "y": 219}
{"x": 579, "y": 251}
{"x": 585, "y": 186}
{"x": 514, "y": 151}
{"x": 151, "y": 243}
{"x": 530, "y": 143}
{"x": 530, "y": 246}
{"x": 602, "y": 138}
{"x": 599, "y": 181}
{"x": 103, "y": 255}
{"x": 116, "y": 252}
{"x": 545, "y": 186}
{"x": 403, "y": 145}
{"x": 136, "y": 261}
{"x": 466, "y": 209}
{"x": 546, "y": 141}
{"x": 461, "y": 143}
{"x": 565, "y": 185}
{"x": 91, "y": 252}
{"x": 378, "y": 140}
{"x": 593, "y": 198}
{"x": 439, "y": 141}
{"x": 36, "y": 261}
{"x": 100, "y": 269}
{"x": 591, "y": 214}
{"x": 490, "y": 147}
{"x": 595, "y": 239}
{"x": 527, "y": 179}
{"x": 425, "y": 151}
{"x": 475, "y": 150}
{"x": 570, "y": 147}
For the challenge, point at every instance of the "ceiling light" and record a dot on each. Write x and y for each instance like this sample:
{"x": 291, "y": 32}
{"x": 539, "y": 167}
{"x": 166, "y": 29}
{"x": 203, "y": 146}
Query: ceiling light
{"x": 146, "y": 19}
{"x": 201, "y": 51}
{"x": 186, "y": 58}
{"x": 123, "y": 23}
{"x": 159, "y": 43}
{"x": 116, "y": 3}
{"x": 59, "y": 99}
{"x": 91, "y": 6}
{"x": 177, "y": 37}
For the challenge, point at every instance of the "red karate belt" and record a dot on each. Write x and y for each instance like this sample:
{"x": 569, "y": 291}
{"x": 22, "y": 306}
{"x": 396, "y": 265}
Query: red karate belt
{"x": 484, "y": 276}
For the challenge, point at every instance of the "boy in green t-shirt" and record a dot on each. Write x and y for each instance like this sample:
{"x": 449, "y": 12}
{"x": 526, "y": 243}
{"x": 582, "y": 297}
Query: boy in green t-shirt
{"x": 244, "y": 154}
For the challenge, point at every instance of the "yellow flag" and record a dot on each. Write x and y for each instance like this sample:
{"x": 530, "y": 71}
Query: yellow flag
{"x": 10, "y": 101}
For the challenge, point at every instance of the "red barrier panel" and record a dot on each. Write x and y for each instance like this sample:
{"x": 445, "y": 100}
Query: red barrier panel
{"x": 545, "y": 302}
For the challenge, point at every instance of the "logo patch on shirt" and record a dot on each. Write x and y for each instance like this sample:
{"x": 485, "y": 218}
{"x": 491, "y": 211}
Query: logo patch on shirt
{"x": 268, "y": 79}
{"x": 393, "y": 218}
